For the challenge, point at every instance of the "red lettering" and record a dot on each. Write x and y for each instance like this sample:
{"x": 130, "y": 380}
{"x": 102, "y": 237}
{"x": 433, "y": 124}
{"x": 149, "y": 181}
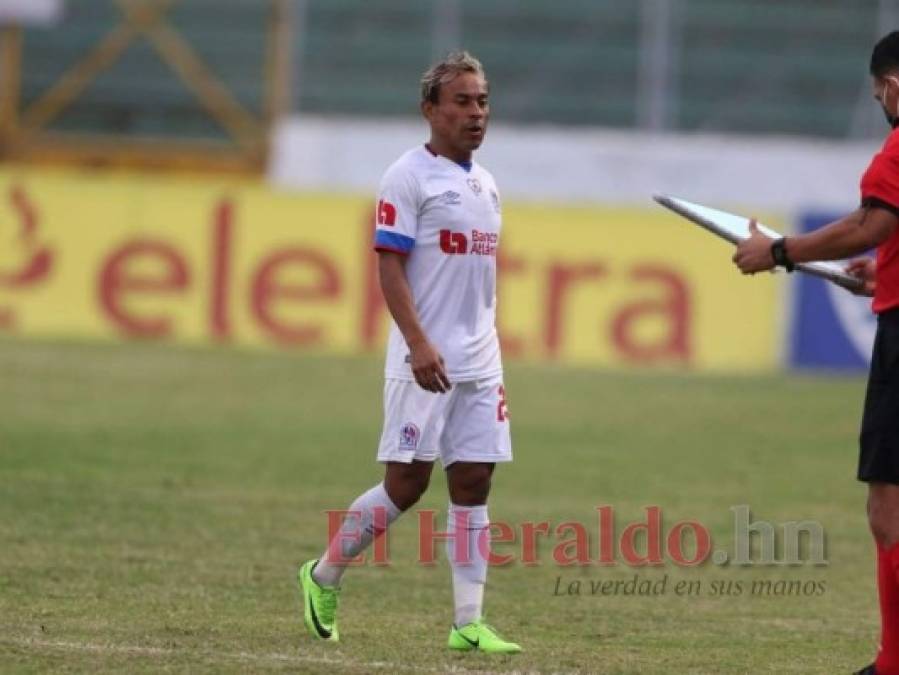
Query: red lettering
{"x": 563, "y": 554}
{"x": 483, "y": 243}
{"x": 337, "y": 535}
{"x": 381, "y": 555}
{"x": 529, "y": 532}
{"x": 673, "y": 308}
{"x": 606, "y": 535}
{"x": 652, "y": 529}
{"x": 561, "y": 277}
{"x": 428, "y": 536}
{"x": 675, "y": 543}
{"x": 506, "y": 266}
{"x": 115, "y": 282}
{"x": 40, "y": 259}
{"x": 506, "y": 535}
{"x": 267, "y": 290}
{"x": 221, "y": 261}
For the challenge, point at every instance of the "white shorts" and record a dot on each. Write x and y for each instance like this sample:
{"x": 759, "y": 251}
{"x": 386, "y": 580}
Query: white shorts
{"x": 470, "y": 423}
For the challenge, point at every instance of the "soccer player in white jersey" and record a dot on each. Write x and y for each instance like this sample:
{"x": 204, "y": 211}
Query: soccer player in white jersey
{"x": 438, "y": 223}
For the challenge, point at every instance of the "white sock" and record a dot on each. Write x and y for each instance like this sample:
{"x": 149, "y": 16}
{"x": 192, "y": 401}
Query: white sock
{"x": 468, "y": 563}
{"x": 375, "y": 511}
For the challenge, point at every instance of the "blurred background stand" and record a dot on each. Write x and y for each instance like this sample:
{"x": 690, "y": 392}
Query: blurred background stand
{"x": 144, "y": 83}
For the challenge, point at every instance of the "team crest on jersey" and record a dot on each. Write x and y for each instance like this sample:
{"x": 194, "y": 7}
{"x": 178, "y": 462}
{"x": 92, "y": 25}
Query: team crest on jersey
{"x": 475, "y": 185}
{"x": 451, "y": 198}
{"x": 495, "y": 199}
{"x": 409, "y": 436}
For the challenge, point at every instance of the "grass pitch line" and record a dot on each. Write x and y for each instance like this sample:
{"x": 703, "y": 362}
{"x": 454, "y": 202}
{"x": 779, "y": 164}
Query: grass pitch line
{"x": 246, "y": 656}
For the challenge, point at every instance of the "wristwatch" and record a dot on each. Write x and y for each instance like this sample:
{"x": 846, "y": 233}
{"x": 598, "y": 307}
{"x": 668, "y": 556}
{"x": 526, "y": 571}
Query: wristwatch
{"x": 779, "y": 253}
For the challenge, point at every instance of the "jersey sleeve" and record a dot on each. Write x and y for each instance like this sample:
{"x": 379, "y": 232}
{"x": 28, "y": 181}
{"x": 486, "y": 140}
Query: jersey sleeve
{"x": 880, "y": 183}
{"x": 397, "y": 215}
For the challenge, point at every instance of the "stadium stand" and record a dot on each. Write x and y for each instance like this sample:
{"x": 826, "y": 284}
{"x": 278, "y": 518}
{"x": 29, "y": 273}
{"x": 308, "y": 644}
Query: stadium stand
{"x": 566, "y": 62}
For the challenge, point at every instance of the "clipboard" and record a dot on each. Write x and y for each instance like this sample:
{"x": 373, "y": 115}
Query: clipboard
{"x": 734, "y": 228}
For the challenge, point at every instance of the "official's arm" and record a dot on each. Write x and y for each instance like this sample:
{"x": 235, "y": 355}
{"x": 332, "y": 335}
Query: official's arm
{"x": 862, "y": 230}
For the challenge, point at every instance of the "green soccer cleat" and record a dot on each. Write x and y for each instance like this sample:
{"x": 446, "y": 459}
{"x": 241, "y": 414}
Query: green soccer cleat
{"x": 478, "y": 635}
{"x": 319, "y": 605}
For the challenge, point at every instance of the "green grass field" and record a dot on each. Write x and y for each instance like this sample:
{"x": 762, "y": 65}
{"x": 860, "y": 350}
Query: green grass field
{"x": 154, "y": 504}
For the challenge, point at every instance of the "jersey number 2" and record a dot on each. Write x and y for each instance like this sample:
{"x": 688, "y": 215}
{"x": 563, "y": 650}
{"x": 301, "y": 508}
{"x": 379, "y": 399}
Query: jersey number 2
{"x": 502, "y": 411}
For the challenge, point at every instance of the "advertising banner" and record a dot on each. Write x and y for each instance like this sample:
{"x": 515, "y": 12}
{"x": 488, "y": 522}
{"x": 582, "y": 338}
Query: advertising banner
{"x": 210, "y": 261}
{"x": 830, "y": 328}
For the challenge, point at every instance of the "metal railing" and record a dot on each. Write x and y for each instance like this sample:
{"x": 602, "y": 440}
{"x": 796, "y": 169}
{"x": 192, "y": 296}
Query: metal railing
{"x": 203, "y": 80}
{"x": 129, "y": 82}
{"x": 757, "y": 66}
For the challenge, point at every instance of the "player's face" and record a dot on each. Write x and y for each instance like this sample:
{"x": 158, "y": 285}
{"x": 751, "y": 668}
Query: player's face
{"x": 459, "y": 119}
{"x": 886, "y": 92}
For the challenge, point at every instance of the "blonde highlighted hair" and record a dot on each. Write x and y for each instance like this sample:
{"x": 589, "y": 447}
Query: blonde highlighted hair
{"x": 446, "y": 70}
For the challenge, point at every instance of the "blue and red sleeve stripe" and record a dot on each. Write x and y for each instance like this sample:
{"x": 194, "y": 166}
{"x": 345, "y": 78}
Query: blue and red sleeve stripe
{"x": 391, "y": 241}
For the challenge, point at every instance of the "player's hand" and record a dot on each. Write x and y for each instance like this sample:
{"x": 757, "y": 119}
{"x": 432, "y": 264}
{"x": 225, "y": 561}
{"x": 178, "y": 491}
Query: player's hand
{"x": 428, "y": 367}
{"x": 864, "y": 269}
{"x": 754, "y": 254}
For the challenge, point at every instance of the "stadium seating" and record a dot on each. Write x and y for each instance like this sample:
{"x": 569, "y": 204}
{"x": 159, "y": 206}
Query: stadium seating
{"x": 565, "y": 62}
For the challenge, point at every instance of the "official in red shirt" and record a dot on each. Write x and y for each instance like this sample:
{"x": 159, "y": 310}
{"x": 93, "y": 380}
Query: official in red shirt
{"x": 872, "y": 225}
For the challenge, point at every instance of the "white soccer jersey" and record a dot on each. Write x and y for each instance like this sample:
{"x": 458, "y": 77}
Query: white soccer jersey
{"x": 446, "y": 218}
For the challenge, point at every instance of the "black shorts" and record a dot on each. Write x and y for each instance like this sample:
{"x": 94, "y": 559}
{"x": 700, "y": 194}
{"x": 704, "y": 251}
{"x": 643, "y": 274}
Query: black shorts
{"x": 879, "y": 441}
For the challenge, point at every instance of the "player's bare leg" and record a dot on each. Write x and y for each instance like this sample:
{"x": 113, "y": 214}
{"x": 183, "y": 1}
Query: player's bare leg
{"x": 469, "y": 487}
{"x": 883, "y": 518}
{"x": 372, "y": 513}
{"x": 406, "y": 483}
